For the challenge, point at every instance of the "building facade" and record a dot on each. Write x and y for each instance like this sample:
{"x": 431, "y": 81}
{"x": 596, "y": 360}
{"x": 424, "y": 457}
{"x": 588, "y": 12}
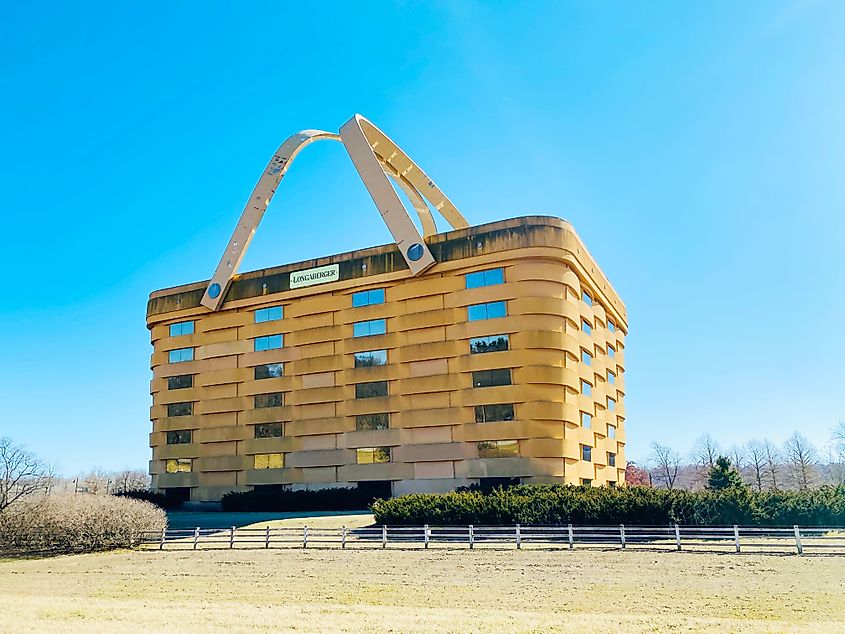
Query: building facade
{"x": 503, "y": 361}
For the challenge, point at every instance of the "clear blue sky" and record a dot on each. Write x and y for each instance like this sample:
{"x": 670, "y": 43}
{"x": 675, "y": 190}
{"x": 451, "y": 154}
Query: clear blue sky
{"x": 698, "y": 148}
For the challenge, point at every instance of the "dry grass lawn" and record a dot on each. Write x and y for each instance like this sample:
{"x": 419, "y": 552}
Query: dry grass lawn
{"x": 439, "y": 590}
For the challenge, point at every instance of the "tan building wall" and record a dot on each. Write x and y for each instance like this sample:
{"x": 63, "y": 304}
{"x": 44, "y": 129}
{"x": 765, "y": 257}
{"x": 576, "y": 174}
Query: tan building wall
{"x": 434, "y": 441}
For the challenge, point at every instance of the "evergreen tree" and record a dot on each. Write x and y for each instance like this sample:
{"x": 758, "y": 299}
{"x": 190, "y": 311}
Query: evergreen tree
{"x": 723, "y": 475}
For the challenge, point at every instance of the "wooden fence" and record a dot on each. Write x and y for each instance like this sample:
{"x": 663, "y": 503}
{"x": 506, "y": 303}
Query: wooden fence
{"x": 795, "y": 539}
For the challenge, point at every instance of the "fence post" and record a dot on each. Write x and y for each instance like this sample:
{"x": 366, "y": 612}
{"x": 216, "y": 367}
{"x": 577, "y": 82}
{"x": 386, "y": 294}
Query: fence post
{"x": 384, "y": 535}
{"x": 343, "y": 537}
{"x": 736, "y": 537}
{"x": 622, "y": 535}
{"x": 305, "y": 537}
{"x": 196, "y": 536}
{"x": 232, "y": 537}
{"x": 267, "y": 537}
{"x": 798, "y": 544}
{"x": 518, "y": 537}
{"x": 571, "y": 537}
{"x": 426, "y": 535}
{"x": 471, "y": 536}
{"x": 163, "y": 533}
{"x": 677, "y": 536}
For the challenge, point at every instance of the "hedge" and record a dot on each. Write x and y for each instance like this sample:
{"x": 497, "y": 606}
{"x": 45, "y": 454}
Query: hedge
{"x": 339, "y": 499}
{"x": 565, "y": 504}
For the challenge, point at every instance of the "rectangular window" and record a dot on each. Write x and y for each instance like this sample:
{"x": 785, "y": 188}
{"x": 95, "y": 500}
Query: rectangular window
{"x": 586, "y": 358}
{"x": 180, "y": 355}
{"x": 371, "y": 390}
{"x": 369, "y": 328}
{"x": 611, "y": 484}
{"x": 179, "y": 437}
{"x": 493, "y": 343}
{"x": 272, "y": 313}
{"x": 494, "y": 413}
{"x": 611, "y": 459}
{"x": 611, "y": 377}
{"x": 611, "y": 326}
{"x": 586, "y": 327}
{"x": 585, "y": 296}
{"x": 586, "y": 420}
{"x": 271, "y": 342}
{"x": 491, "y": 378}
{"x": 372, "y": 455}
{"x": 485, "y": 278}
{"x": 180, "y": 409}
{"x": 269, "y": 461}
{"x": 182, "y": 328}
{"x": 586, "y": 482}
{"x": 273, "y": 399}
{"x": 179, "y": 465}
{"x": 370, "y": 358}
{"x": 268, "y": 430}
{"x": 611, "y": 404}
{"x": 490, "y": 310}
{"x": 611, "y": 431}
{"x": 368, "y": 298}
{"x": 369, "y": 422}
{"x": 498, "y": 449}
{"x": 586, "y": 388}
{"x": 180, "y": 382}
{"x": 269, "y": 371}
{"x": 586, "y": 453}
{"x": 611, "y": 351}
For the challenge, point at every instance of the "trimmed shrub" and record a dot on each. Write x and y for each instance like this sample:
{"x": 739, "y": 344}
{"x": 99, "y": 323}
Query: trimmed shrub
{"x": 153, "y": 497}
{"x": 61, "y": 524}
{"x": 564, "y": 504}
{"x": 340, "y": 499}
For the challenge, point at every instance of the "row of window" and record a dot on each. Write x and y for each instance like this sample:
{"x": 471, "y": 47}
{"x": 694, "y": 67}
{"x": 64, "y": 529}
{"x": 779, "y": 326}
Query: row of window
{"x": 588, "y": 300}
{"x": 587, "y": 423}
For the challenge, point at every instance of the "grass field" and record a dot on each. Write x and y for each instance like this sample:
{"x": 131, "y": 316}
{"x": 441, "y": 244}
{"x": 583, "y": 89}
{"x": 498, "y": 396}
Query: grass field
{"x": 442, "y": 590}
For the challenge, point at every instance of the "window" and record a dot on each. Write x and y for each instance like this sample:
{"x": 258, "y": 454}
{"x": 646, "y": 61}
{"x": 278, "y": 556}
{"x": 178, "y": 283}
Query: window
{"x": 269, "y": 461}
{"x": 368, "y": 328}
{"x": 179, "y": 437}
{"x": 485, "y": 278}
{"x": 493, "y": 343}
{"x": 490, "y": 310}
{"x": 268, "y": 430}
{"x": 273, "y": 313}
{"x": 371, "y": 390}
{"x": 498, "y": 449}
{"x": 370, "y": 359}
{"x": 368, "y": 298}
{"x": 180, "y": 382}
{"x": 270, "y": 342}
{"x": 586, "y": 327}
{"x": 586, "y": 388}
{"x": 182, "y": 328}
{"x": 491, "y": 378}
{"x": 273, "y": 399}
{"x": 611, "y": 404}
{"x": 611, "y": 351}
{"x": 585, "y": 296}
{"x": 611, "y": 484}
{"x": 586, "y": 420}
{"x": 372, "y": 455}
{"x": 180, "y": 409}
{"x": 586, "y": 482}
{"x": 611, "y": 326}
{"x": 269, "y": 371}
{"x": 493, "y": 413}
{"x": 180, "y": 355}
{"x": 611, "y": 431}
{"x": 586, "y": 453}
{"x": 586, "y": 358}
{"x": 368, "y": 422}
{"x": 611, "y": 377}
{"x": 611, "y": 459}
{"x": 179, "y": 465}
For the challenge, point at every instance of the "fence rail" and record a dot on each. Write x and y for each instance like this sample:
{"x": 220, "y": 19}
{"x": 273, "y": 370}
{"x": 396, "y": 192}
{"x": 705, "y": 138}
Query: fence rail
{"x": 794, "y": 539}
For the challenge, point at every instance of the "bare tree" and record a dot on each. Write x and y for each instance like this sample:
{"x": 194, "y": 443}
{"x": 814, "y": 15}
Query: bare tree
{"x": 738, "y": 457}
{"x": 666, "y": 463}
{"x": 96, "y": 482}
{"x": 130, "y": 480}
{"x": 835, "y": 455}
{"x": 802, "y": 460}
{"x": 772, "y": 462}
{"x": 21, "y": 473}
{"x": 756, "y": 465}
{"x": 703, "y": 456}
